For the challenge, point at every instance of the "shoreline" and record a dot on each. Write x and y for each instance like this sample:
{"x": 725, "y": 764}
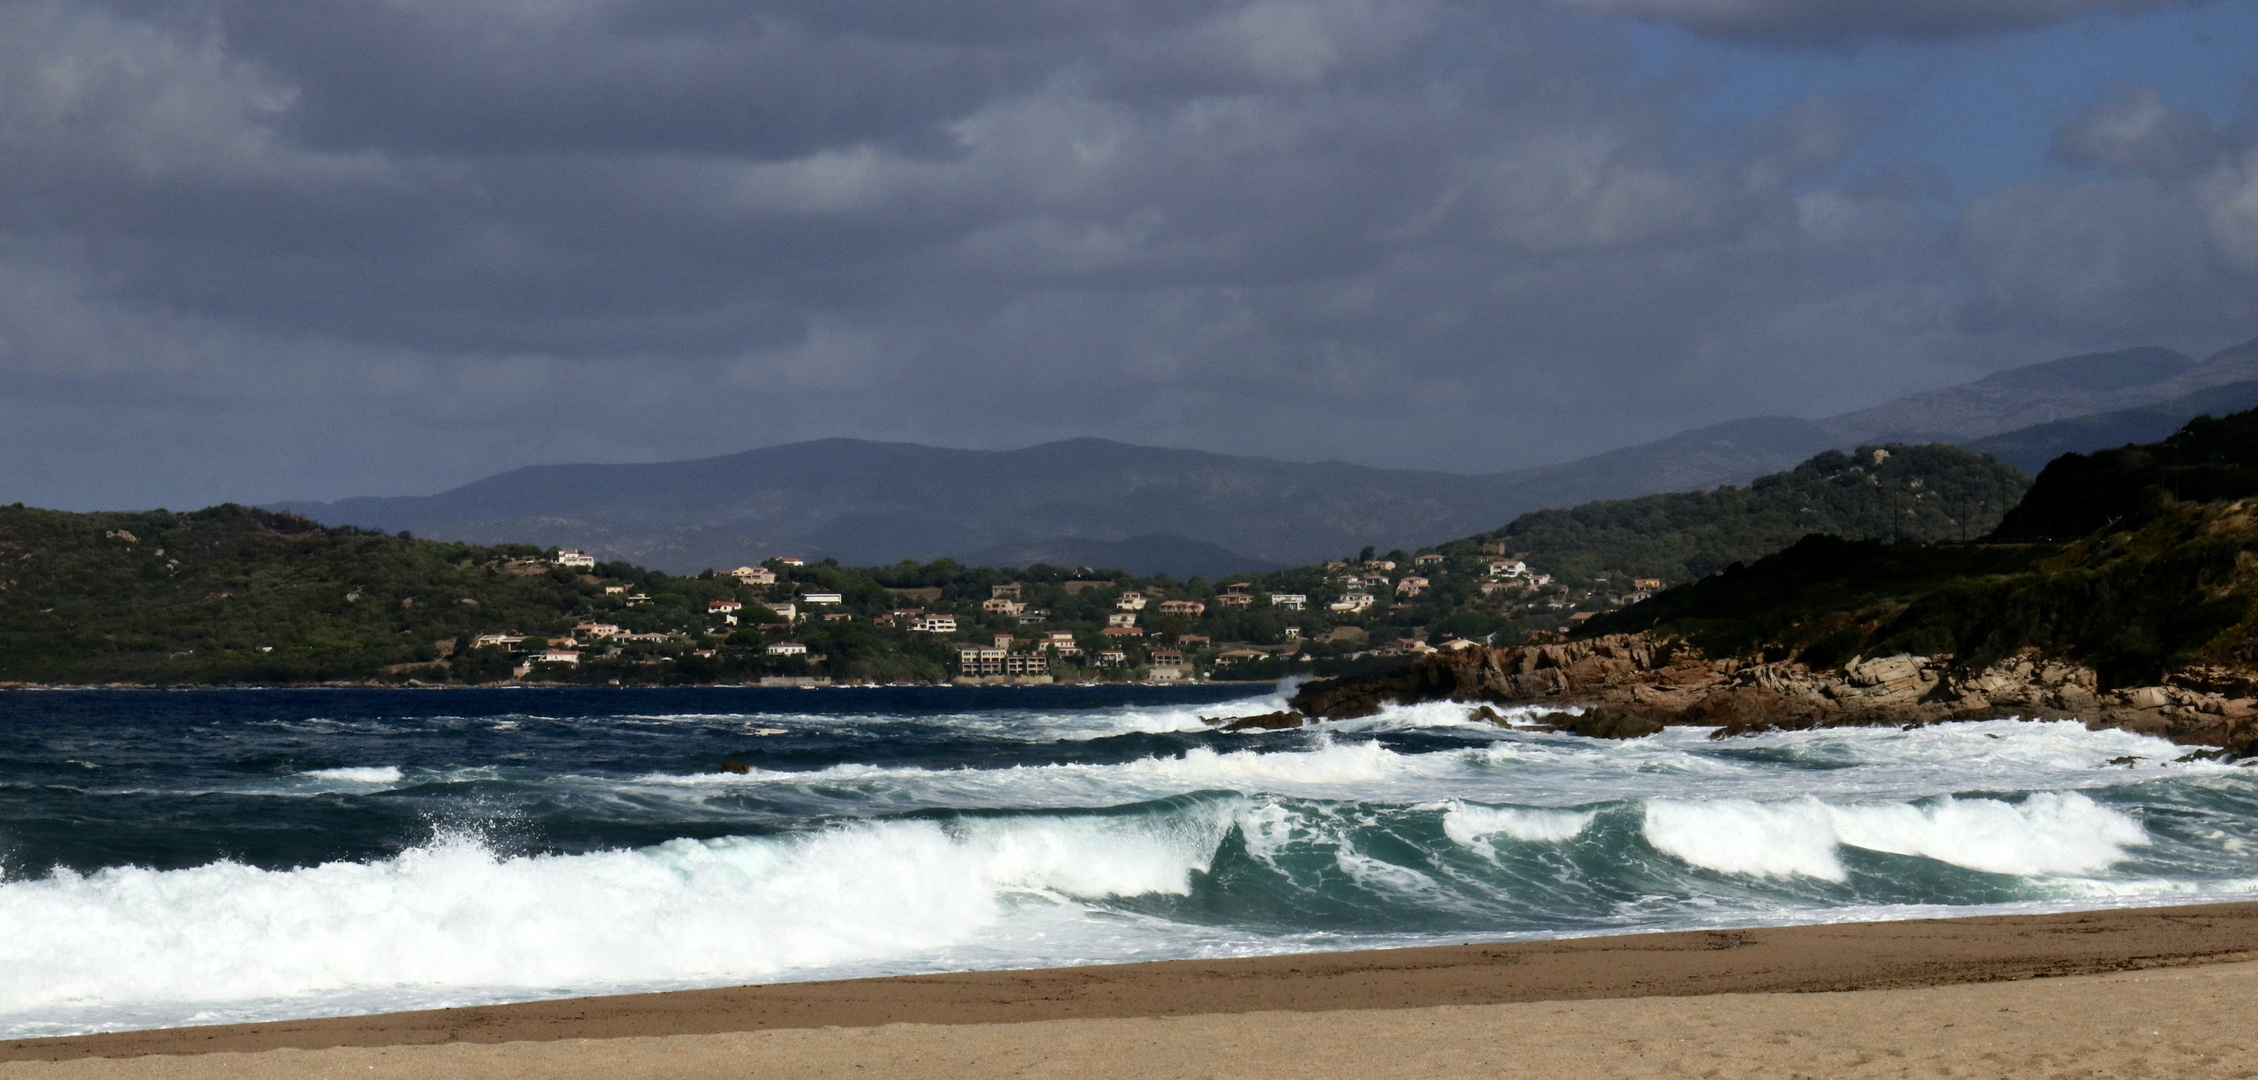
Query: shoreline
{"x": 1794, "y": 960}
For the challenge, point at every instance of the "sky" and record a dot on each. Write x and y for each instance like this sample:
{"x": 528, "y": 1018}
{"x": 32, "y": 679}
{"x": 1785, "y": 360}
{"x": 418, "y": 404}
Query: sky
{"x": 253, "y": 250}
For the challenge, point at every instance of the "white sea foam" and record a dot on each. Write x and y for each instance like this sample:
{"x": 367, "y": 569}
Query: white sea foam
{"x": 1472, "y": 824}
{"x": 1738, "y": 836}
{"x": 1492, "y": 765}
{"x": 455, "y": 921}
{"x": 358, "y": 774}
{"x": 455, "y": 914}
{"x": 1325, "y": 769}
{"x": 2047, "y": 833}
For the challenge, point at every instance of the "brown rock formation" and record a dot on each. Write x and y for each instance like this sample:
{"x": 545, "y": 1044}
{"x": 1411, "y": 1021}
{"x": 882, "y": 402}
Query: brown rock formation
{"x": 1629, "y": 685}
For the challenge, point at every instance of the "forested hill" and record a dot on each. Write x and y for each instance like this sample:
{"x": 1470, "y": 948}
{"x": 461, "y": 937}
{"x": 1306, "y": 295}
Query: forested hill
{"x": 2152, "y": 578}
{"x": 1932, "y": 493}
{"x": 236, "y": 595}
{"x": 2209, "y": 459}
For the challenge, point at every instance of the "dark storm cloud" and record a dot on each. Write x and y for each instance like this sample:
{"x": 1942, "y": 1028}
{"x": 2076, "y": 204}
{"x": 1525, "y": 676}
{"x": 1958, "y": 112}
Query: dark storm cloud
{"x": 327, "y": 248}
{"x": 1838, "y": 22}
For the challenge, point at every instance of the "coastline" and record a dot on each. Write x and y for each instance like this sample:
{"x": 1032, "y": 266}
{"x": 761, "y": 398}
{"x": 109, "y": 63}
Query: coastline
{"x": 1796, "y": 961}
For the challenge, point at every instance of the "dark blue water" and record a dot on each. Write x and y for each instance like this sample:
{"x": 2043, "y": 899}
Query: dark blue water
{"x": 187, "y": 856}
{"x": 173, "y": 779}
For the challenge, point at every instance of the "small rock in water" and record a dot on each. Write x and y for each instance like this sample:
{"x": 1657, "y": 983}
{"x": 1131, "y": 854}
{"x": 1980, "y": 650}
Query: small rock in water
{"x": 1270, "y": 721}
{"x": 735, "y": 766}
{"x": 1609, "y": 722}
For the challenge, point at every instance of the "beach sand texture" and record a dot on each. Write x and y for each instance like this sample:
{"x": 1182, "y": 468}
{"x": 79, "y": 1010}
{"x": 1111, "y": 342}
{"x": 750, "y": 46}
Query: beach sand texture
{"x": 1994, "y": 997}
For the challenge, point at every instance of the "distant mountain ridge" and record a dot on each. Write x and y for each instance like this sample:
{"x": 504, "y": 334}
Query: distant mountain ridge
{"x": 870, "y": 503}
{"x": 1153, "y": 510}
{"x": 2031, "y": 448}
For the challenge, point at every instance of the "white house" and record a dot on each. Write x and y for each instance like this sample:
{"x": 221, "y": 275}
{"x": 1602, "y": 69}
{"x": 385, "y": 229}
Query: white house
{"x": 573, "y": 557}
{"x": 754, "y": 575}
{"x": 1291, "y": 601}
{"x": 821, "y": 598}
{"x": 936, "y": 624}
{"x": 787, "y": 648}
{"x": 723, "y": 607}
{"x": 1353, "y": 602}
{"x": 1131, "y": 601}
{"x": 557, "y": 656}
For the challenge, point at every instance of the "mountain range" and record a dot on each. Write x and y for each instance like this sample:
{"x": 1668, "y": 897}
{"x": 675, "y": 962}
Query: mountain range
{"x": 1095, "y": 502}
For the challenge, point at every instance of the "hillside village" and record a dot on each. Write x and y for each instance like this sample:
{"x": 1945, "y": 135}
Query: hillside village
{"x": 788, "y": 621}
{"x": 784, "y": 619}
{"x": 254, "y": 596}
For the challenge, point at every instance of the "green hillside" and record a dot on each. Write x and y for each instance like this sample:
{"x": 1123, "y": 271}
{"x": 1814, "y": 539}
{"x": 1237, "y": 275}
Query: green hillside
{"x": 2208, "y": 459}
{"x": 2160, "y": 585}
{"x": 234, "y": 595}
{"x": 1933, "y": 492}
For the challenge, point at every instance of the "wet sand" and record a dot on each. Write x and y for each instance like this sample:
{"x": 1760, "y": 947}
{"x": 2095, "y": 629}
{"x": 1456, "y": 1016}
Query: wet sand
{"x": 2169, "y": 991}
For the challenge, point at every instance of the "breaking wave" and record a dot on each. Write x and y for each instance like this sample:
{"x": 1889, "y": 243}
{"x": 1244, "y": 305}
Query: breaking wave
{"x": 2044, "y": 834}
{"x": 863, "y": 843}
{"x": 455, "y": 914}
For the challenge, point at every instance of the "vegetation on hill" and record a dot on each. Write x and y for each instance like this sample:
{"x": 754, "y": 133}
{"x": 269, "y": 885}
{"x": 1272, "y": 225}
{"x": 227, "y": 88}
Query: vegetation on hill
{"x": 1929, "y": 493}
{"x": 233, "y": 595}
{"x": 2161, "y": 584}
{"x": 2210, "y": 458}
{"x": 236, "y": 595}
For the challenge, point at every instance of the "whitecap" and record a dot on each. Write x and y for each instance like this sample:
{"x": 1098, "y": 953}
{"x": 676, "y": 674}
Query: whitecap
{"x": 358, "y": 774}
{"x": 2047, "y": 833}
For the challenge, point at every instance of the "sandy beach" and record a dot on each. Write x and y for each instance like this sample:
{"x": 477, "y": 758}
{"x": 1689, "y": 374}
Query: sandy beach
{"x": 2138, "y": 992}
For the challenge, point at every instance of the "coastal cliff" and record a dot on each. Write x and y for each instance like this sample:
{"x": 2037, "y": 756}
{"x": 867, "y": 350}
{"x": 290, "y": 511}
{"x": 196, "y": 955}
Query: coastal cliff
{"x": 1628, "y": 685}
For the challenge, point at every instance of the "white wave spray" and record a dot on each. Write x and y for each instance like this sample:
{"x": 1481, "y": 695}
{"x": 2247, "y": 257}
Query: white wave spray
{"x": 455, "y": 914}
{"x": 2046, "y": 833}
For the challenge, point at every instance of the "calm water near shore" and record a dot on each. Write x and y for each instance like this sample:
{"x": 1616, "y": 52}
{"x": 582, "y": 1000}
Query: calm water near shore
{"x": 178, "y": 857}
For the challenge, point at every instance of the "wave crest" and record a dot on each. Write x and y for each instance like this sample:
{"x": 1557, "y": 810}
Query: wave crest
{"x": 2046, "y": 833}
{"x": 453, "y": 913}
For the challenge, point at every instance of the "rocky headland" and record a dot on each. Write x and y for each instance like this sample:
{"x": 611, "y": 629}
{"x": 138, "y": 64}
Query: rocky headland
{"x": 1630, "y": 685}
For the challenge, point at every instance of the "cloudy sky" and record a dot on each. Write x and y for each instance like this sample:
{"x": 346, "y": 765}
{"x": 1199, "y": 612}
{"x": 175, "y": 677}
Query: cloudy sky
{"x": 258, "y": 249}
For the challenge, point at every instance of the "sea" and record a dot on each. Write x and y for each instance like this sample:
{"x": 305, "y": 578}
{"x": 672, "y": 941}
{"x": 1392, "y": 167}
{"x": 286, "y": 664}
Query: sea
{"x": 211, "y": 856}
